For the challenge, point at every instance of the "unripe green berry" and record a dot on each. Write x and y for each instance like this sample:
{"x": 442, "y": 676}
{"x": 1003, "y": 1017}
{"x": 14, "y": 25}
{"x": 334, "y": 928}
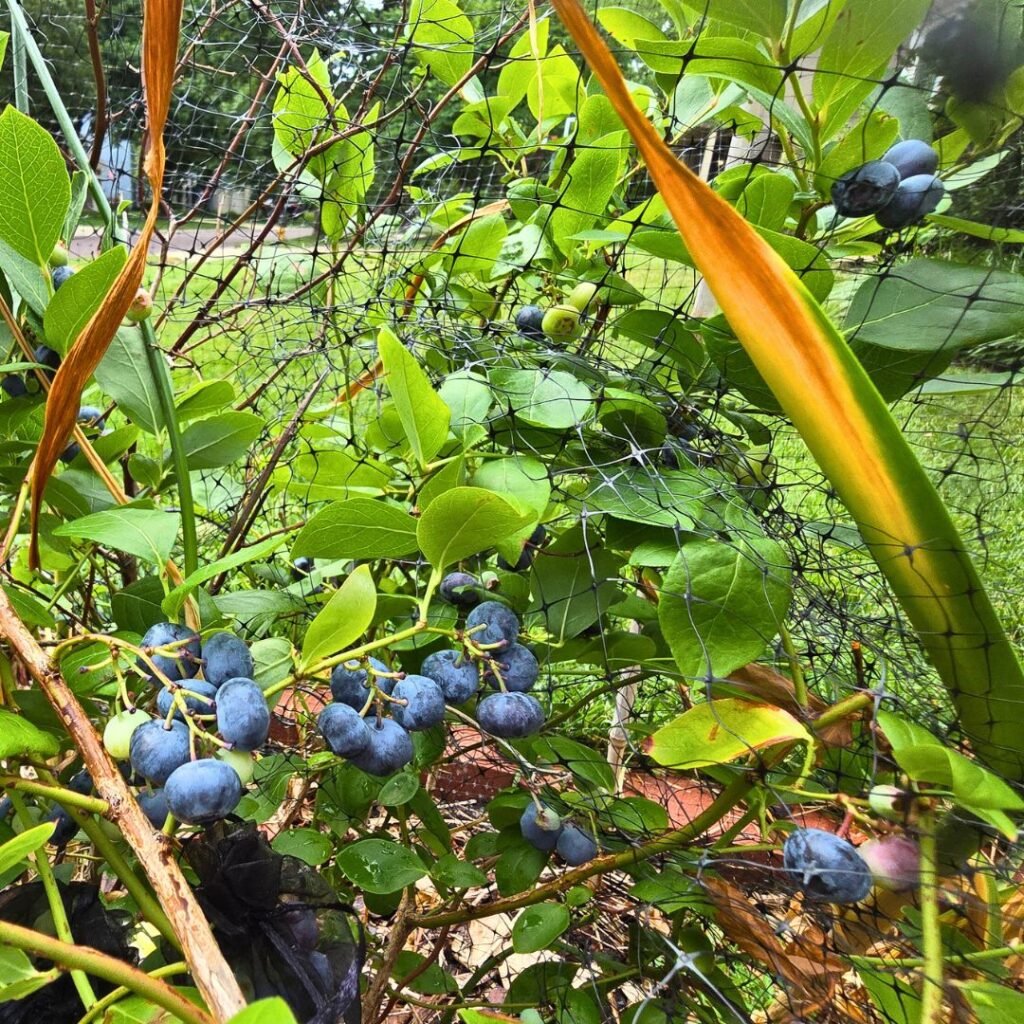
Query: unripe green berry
{"x": 141, "y": 307}
{"x": 561, "y": 322}
{"x": 889, "y": 802}
{"x": 242, "y": 761}
{"x": 117, "y": 733}
{"x": 583, "y": 295}
{"x": 59, "y": 256}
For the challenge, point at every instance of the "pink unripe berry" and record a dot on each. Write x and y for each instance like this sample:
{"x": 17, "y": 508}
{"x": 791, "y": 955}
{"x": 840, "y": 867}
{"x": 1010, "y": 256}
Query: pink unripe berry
{"x": 141, "y": 307}
{"x": 894, "y": 862}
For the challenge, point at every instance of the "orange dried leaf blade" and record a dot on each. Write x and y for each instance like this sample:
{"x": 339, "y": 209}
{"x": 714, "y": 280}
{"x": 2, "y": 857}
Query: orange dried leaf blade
{"x": 847, "y": 427}
{"x": 160, "y": 49}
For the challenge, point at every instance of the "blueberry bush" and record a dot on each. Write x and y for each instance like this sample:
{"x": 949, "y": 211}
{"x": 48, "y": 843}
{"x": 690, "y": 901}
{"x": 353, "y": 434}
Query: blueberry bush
{"x": 518, "y": 524}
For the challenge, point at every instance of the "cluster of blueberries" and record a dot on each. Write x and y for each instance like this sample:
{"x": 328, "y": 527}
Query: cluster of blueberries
{"x": 543, "y": 829}
{"x": 209, "y": 681}
{"x": 356, "y": 726}
{"x": 898, "y": 189}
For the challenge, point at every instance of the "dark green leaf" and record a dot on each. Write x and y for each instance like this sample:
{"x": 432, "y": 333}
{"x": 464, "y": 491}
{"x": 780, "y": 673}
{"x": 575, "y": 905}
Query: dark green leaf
{"x": 343, "y": 619}
{"x": 124, "y": 374}
{"x": 538, "y": 926}
{"x": 379, "y": 865}
{"x": 146, "y": 533}
{"x": 20, "y": 738}
{"x": 358, "y": 528}
{"x": 221, "y": 439}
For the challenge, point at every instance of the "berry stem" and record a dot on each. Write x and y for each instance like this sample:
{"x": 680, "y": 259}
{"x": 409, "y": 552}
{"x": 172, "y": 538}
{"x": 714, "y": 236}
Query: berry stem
{"x": 65, "y": 797}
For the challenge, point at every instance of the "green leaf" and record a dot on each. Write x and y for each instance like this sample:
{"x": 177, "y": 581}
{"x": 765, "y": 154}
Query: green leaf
{"x": 26, "y": 278}
{"x": 398, "y": 790}
{"x": 207, "y": 397}
{"x": 538, "y": 926}
{"x": 763, "y": 17}
{"x": 675, "y": 498}
{"x": 442, "y": 38}
{"x": 863, "y": 38}
{"x": 30, "y": 611}
{"x": 553, "y": 399}
{"x": 524, "y": 477}
{"x": 926, "y": 759}
{"x": 721, "y": 731}
{"x": 993, "y": 1003}
{"x": 422, "y": 412}
{"x": 146, "y": 533}
{"x": 80, "y": 296}
{"x": 173, "y": 602}
{"x": 590, "y": 181}
{"x": 518, "y": 867}
{"x": 35, "y": 190}
{"x": 928, "y": 305}
{"x": 124, "y": 374}
{"x": 464, "y": 521}
{"x": 476, "y": 250}
{"x": 380, "y": 866}
{"x": 15, "y": 850}
{"x": 306, "y": 844}
{"x": 300, "y": 114}
{"x": 469, "y": 399}
{"x": 344, "y": 618}
{"x": 357, "y": 528}
{"x": 895, "y": 999}
{"x": 721, "y": 604}
{"x": 20, "y": 738}
{"x": 221, "y": 439}
{"x": 18, "y": 978}
{"x": 265, "y": 1011}
{"x": 273, "y": 660}
{"x": 457, "y": 874}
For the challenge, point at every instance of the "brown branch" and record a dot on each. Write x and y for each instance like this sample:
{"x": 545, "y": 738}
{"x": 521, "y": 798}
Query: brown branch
{"x": 92, "y": 18}
{"x": 154, "y": 851}
{"x": 400, "y": 930}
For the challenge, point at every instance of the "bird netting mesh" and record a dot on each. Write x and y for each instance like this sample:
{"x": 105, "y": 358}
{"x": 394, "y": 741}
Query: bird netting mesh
{"x": 429, "y": 172}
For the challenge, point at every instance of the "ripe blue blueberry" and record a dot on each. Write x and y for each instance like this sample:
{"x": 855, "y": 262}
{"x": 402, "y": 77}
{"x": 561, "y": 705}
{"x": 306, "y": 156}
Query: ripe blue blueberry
{"x": 155, "y": 751}
{"x": 65, "y": 826}
{"x": 575, "y": 846}
{"x": 424, "y": 705}
{"x": 49, "y": 358}
{"x": 302, "y": 567}
{"x": 243, "y": 718}
{"x": 540, "y": 829}
{"x": 454, "y": 673}
{"x": 14, "y": 385}
{"x": 510, "y": 715}
{"x": 344, "y": 730}
{"x": 203, "y": 791}
{"x": 350, "y": 683}
{"x": 92, "y": 422}
{"x": 460, "y": 588}
{"x": 517, "y": 666}
{"x": 154, "y": 807}
{"x": 226, "y": 657}
{"x": 60, "y": 275}
{"x": 530, "y": 546}
{"x": 912, "y": 156}
{"x": 528, "y": 322}
{"x": 499, "y": 624}
{"x": 915, "y": 197}
{"x": 826, "y": 867}
{"x": 201, "y": 705}
{"x": 389, "y": 749}
{"x": 183, "y": 661}
{"x": 866, "y": 189}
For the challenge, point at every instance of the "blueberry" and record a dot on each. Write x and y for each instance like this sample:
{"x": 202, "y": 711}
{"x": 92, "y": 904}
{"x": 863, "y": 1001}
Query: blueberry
{"x": 300, "y": 927}
{"x": 510, "y": 715}
{"x": 91, "y": 416}
{"x": 196, "y": 705}
{"x": 517, "y": 666}
{"x": 500, "y": 624}
{"x": 183, "y": 663}
{"x": 575, "y": 846}
{"x": 243, "y": 718}
{"x": 155, "y": 752}
{"x": 460, "y": 588}
{"x": 226, "y": 657}
{"x": 866, "y": 189}
{"x": 60, "y": 275}
{"x": 203, "y": 791}
{"x": 541, "y": 830}
{"x": 912, "y": 156}
{"x": 49, "y": 359}
{"x": 424, "y": 707}
{"x": 528, "y": 322}
{"x": 454, "y": 673}
{"x": 6, "y": 807}
{"x": 826, "y": 867}
{"x": 154, "y": 807}
{"x": 302, "y": 567}
{"x": 344, "y": 730}
{"x": 916, "y": 196}
{"x": 349, "y": 683}
{"x": 389, "y": 749}
{"x": 14, "y": 385}
{"x": 65, "y": 827}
